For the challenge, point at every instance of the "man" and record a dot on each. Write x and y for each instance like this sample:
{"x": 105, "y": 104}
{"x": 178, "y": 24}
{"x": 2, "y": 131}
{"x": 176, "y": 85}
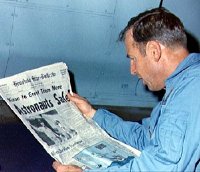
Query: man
{"x": 169, "y": 140}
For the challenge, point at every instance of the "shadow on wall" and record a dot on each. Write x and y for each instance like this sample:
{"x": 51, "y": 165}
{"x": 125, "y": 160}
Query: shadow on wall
{"x": 72, "y": 81}
{"x": 192, "y": 43}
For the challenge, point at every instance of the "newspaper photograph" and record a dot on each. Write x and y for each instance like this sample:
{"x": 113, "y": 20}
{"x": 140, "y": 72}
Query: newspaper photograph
{"x": 38, "y": 98}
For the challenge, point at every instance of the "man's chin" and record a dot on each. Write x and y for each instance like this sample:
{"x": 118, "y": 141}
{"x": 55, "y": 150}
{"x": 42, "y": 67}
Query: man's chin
{"x": 150, "y": 87}
{"x": 153, "y": 88}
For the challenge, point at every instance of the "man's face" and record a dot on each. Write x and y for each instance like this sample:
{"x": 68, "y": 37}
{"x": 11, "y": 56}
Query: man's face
{"x": 143, "y": 66}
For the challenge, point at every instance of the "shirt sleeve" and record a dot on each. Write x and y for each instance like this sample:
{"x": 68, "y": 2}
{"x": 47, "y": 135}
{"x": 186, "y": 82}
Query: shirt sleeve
{"x": 131, "y": 133}
{"x": 161, "y": 153}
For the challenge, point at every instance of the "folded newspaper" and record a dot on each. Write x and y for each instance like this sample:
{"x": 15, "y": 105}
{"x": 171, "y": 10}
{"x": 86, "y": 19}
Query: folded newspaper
{"x": 38, "y": 98}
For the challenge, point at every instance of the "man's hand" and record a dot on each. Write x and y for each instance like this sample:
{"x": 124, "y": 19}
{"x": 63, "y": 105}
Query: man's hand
{"x": 83, "y": 105}
{"x": 65, "y": 168}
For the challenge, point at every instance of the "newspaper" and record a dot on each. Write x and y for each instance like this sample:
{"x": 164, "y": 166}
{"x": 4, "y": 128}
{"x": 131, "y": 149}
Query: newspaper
{"x": 38, "y": 98}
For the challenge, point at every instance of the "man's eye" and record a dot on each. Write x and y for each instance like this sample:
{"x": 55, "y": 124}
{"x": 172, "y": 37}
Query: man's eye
{"x": 133, "y": 59}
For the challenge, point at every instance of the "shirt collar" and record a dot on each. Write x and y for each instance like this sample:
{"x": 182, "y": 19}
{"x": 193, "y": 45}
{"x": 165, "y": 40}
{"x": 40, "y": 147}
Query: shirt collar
{"x": 188, "y": 61}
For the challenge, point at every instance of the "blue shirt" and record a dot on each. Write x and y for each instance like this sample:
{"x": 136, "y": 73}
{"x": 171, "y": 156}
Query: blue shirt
{"x": 170, "y": 139}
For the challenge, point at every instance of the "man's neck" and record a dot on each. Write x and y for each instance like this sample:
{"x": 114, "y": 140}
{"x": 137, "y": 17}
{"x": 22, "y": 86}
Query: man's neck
{"x": 173, "y": 58}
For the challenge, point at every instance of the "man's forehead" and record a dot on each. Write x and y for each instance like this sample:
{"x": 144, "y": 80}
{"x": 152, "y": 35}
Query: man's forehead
{"x": 129, "y": 38}
{"x": 129, "y": 33}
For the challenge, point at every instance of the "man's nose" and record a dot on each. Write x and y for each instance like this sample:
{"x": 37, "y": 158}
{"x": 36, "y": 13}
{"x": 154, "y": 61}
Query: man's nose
{"x": 133, "y": 67}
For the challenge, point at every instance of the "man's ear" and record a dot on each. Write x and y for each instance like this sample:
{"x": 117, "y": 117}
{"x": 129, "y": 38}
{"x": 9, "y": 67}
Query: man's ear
{"x": 153, "y": 50}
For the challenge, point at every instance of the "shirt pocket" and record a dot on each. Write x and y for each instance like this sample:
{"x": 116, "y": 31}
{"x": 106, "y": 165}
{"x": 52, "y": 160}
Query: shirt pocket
{"x": 170, "y": 134}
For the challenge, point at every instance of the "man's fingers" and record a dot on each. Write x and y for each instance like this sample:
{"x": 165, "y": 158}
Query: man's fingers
{"x": 56, "y": 164}
{"x": 75, "y": 98}
{"x": 83, "y": 105}
{"x": 65, "y": 168}
{"x": 60, "y": 168}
